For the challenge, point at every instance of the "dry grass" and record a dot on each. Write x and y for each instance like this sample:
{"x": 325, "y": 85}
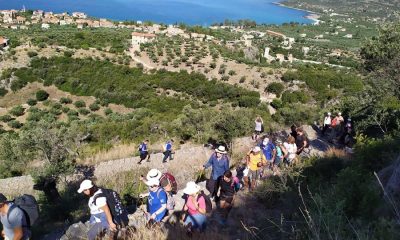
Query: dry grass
{"x": 335, "y": 152}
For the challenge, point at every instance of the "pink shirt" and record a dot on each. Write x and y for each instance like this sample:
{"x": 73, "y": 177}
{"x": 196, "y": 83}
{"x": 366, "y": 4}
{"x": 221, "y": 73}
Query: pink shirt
{"x": 191, "y": 208}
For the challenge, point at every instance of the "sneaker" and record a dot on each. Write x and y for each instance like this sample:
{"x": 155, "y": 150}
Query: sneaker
{"x": 164, "y": 161}
{"x": 139, "y": 162}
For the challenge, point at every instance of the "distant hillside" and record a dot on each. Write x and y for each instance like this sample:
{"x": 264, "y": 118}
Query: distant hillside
{"x": 360, "y": 8}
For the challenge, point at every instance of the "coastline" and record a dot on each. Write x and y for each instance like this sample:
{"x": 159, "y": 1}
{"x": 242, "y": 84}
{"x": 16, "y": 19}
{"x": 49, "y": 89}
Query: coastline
{"x": 313, "y": 16}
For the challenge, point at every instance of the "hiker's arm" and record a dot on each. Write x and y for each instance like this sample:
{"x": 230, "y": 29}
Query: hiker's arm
{"x": 196, "y": 204}
{"x": 159, "y": 211}
{"x": 18, "y": 233}
{"x": 227, "y": 163}
{"x": 106, "y": 210}
{"x": 208, "y": 164}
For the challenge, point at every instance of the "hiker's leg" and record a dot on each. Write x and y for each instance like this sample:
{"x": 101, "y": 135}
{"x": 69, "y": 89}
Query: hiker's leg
{"x": 95, "y": 230}
{"x": 165, "y": 156}
{"x": 246, "y": 182}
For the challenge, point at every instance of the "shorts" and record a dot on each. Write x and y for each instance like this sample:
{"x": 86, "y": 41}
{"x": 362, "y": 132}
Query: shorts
{"x": 254, "y": 175}
{"x": 257, "y": 132}
{"x": 143, "y": 155}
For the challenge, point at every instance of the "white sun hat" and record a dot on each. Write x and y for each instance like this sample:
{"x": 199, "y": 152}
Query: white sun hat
{"x": 256, "y": 149}
{"x": 85, "y": 185}
{"x": 152, "y": 182}
{"x": 221, "y": 149}
{"x": 154, "y": 173}
{"x": 191, "y": 188}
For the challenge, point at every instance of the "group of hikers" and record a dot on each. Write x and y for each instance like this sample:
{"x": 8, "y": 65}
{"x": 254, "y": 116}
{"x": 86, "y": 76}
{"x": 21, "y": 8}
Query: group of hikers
{"x": 108, "y": 214}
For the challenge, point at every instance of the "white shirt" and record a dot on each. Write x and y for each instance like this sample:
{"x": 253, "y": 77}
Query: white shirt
{"x": 100, "y": 202}
{"x": 327, "y": 120}
{"x": 292, "y": 149}
{"x": 258, "y": 126}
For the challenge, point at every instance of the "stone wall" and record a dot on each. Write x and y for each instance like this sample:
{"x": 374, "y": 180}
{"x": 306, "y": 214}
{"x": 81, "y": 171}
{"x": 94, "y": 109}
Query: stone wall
{"x": 15, "y": 186}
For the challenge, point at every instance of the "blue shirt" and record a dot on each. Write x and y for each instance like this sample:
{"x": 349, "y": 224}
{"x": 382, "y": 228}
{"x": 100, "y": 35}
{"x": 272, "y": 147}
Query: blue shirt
{"x": 268, "y": 151}
{"x": 155, "y": 200}
{"x": 14, "y": 218}
{"x": 143, "y": 148}
{"x": 168, "y": 146}
{"x": 218, "y": 166}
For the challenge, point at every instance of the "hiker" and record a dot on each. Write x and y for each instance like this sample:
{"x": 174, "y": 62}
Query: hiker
{"x": 100, "y": 215}
{"x": 168, "y": 183}
{"x": 291, "y": 148}
{"x": 194, "y": 216}
{"x": 227, "y": 187}
{"x": 293, "y": 131}
{"x": 219, "y": 161}
{"x": 280, "y": 154}
{"x": 144, "y": 151}
{"x": 301, "y": 141}
{"x": 269, "y": 151}
{"x": 259, "y": 128}
{"x": 157, "y": 201}
{"x": 255, "y": 161}
{"x": 14, "y": 221}
{"x": 168, "y": 151}
{"x": 327, "y": 123}
{"x": 241, "y": 173}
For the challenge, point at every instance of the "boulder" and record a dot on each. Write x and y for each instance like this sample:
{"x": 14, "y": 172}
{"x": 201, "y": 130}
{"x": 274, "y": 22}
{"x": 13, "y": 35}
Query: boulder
{"x": 76, "y": 231}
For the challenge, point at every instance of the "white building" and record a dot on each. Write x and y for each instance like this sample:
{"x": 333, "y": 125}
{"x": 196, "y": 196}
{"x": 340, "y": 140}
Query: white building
{"x": 45, "y": 26}
{"x": 79, "y": 15}
{"x": 139, "y": 38}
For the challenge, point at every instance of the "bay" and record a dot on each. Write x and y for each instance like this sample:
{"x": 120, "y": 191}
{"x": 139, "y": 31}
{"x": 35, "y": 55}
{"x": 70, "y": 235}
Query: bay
{"x": 192, "y": 12}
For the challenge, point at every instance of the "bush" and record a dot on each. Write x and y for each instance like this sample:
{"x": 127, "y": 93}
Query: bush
{"x": 14, "y": 124}
{"x": 41, "y": 95}
{"x": 83, "y": 111}
{"x": 17, "y": 111}
{"x": 72, "y": 113}
{"x": 31, "y": 102}
{"x": 289, "y": 76}
{"x": 6, "y": 118}
{"x": 65, "y": 109}
{"x": 94, "y": 107}
{"x": 68, "y": 53}
{"x": 276, "y": 103}
{"x": 65, "y": 100}
{"x": 80, "y": 104}
{"x": 32, "y": 54}
{"x": 107, "y": 111}
{"x": 276, "y": 88}
{"x": 294, "y": 97}
{"x": 242, "y": 79}
{"x": 3, "y": 91}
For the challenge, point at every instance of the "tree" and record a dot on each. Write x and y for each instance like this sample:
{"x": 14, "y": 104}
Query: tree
{"x": 41, "y": 95}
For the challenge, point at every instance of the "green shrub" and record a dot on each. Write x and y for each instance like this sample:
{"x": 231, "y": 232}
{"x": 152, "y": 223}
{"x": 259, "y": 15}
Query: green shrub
{"x": 41, "y": 95}
{"x": 17, "y": 111}
{"x": 3, "y": 91}
{"x": 80, "y": 104}
{"x": 294, "y": 97}
{"x": 107, "y": 111}
{"x": 289, "y": 76}
{"x": 276, "y": 88}
{"x": 6, "y": 118}
{"x": 72, "y": 112}
{"x": 65, "y": 109}
{"x": 276, "y": 103}
{"x": 68, "y": 53}
{"x": 83, "y": 111}
{"x": 31, "y": 102}
{"x": 94, "y": 107}
{"x": 242, "y": 79}
{"x": 14, "y": 124}
{"x": 65, "y": 100}
{"x": 32, "y": 54}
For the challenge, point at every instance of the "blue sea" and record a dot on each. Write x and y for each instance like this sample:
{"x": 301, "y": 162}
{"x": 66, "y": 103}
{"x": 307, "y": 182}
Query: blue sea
{"x": 192, "y": 12}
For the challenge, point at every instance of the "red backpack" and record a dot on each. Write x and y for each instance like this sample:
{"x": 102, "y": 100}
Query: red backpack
{"x": 171, "y": 180}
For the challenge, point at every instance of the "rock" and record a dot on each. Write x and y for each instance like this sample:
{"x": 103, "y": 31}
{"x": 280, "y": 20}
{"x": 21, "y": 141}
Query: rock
{"x": 76, "y": 231}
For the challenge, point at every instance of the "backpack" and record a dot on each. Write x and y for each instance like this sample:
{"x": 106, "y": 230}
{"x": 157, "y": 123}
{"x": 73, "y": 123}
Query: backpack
{"x": 235, "y": 184}
{"x": 170, "y": 199}
{"x": 114, "y": 203}
{"x": 171, "y": 180}
{"x": 207, "y": 201}
{"x": 28, "y": 204}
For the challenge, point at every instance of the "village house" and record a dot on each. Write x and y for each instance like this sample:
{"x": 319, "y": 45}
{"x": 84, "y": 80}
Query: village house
{"x": 105, "y": 23}
{"x": 48, "y": 15}
{"x": 21, "y": 20}
{"x": 45, "y": 26}
{"x": 94, "y": 24}
{"x": 80, "y": 15}
{"x": 4, "y": 42}
{"x": 139, "y": 38}
{"x": 173, "y": 31}
{"x": 14, "y": 27}
{"x": 38, "y": 14}
{"x": 9, "y": 16}
{"x": 52, "y": 20}
{"x": 24, "y": 27}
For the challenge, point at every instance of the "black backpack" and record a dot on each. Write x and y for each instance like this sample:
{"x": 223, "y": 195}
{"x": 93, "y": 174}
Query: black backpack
{"x": 28, "y": 204}
{"x": 207, "y": 200}
{"x": 114, "y": 203}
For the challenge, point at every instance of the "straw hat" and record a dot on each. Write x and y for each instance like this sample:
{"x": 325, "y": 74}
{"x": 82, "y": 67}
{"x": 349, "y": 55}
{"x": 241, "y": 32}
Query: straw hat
{"x": 191, "y": 188}
{"x": 154, "y": 173}
{"x": 221, "y": 149}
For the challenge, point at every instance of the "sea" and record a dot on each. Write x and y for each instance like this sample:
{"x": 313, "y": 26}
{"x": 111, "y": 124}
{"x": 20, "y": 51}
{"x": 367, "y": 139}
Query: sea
{"x": 191, "y": 12}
